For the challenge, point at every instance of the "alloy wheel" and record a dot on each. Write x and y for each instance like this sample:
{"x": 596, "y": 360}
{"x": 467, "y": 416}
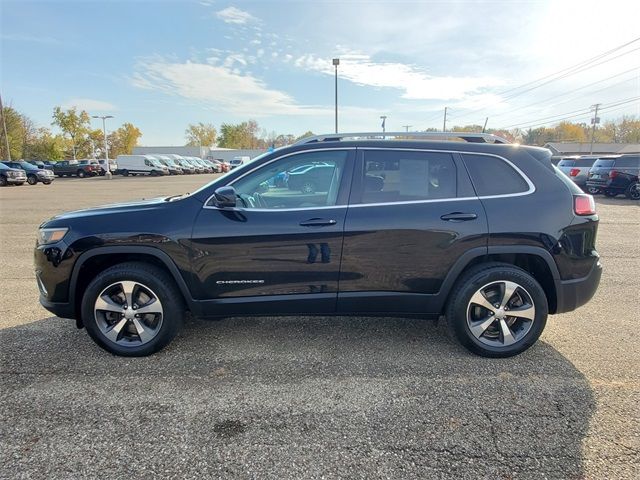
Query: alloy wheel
{"x": 500, "y": 313}
{"x": 128, "y": 313}
{"x": 634, "y": 191}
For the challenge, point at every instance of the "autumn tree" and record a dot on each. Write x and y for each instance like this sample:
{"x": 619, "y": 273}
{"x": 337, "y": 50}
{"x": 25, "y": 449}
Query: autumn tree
{"x": 241, "y": 135}
{"x": 15, "y": 132}
{"x": 200, "y": 135}
{"x": 123, "y": 140}
{"x": 73, "y": 124}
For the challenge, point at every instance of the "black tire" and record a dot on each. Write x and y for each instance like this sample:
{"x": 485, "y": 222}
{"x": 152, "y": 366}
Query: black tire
{"x": 148, "y": 275}
{"x": 3, "y": 182}
{"x": 81, "y": 173}
{"x": 459, "y": 307}
{"x": 633, "y": 191}
{"x": 610, "y": 193}
{"x": 125, "y": 173}
{"x": 592, "y": 190}
{"x": 32, "y": 179}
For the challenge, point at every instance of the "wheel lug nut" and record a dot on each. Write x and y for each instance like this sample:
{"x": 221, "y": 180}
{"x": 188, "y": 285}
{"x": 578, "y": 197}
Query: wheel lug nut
{"x": 497, "y": 306}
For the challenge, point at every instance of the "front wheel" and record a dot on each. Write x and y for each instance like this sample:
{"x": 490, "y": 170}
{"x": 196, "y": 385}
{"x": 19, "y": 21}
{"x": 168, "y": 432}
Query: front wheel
{"x": 47, "y": 182}
{"x": 81, "y": 173}
{"x": 593, "y": 190}
{"x": 132, "y": 309}
{"x": 3, "y": 182}
{"x": 32, "y": 179}
{"x": 497, "y": 310}
{"x": 633, "y": 191}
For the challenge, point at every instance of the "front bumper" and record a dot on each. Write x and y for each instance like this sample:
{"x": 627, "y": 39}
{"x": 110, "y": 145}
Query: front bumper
{"x": 575, "y": 293}
{"x": 16, "y": 180}
{"x": 59, "y": 309}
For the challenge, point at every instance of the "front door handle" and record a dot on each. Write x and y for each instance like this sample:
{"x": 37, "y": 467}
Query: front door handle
{"x": 317, "y": 222}
{"x": 459, "y": 217}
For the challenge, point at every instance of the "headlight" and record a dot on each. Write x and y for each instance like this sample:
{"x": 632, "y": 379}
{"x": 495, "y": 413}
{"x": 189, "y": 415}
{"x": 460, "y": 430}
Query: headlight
{"x": 51, "y": 235}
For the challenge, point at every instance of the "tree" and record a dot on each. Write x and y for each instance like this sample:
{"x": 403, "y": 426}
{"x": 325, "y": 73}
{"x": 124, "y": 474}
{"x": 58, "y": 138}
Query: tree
{"x": 241, "y": 135}
{"x": 200, "y": 135}
{"x": 45, "y": 146}
{"x": 15, "y": 132}
{"x": 122, "y": 140}
{"x": 73, "y": 124}
{"x": 306, "y": 134}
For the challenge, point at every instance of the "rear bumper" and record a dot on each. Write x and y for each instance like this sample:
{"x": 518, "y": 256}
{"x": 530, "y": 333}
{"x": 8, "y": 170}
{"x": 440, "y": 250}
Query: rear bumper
{"x": 575, "y": 293}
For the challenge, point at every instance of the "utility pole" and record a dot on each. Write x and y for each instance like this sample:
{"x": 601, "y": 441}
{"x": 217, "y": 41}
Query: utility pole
{"x": 407, "y": 127}
{"x": 104, "y": 132}
{"x": 4, "y": 129}
{"x": 594, "y": 121}
{"x": 444, "y": 124}
{"x": 336, "y": 62}
{"x": 384, "y": 121}
{"x": 485, "y": 124}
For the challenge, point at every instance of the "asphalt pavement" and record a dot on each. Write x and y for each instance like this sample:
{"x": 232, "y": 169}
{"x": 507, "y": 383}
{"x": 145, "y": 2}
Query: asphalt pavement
{"x": 313, "y": 397}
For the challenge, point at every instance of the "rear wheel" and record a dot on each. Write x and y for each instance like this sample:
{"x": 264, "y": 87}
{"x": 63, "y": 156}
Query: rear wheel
{"x": 497, "y": 310}
{"x": 32, "y": 179}
{"x": 633, "y": 191}
{"x": 610, "y": 193}
{"x": 308, "y": 187}
{"x": 132, "y": 309}
{"x": 81, "y": 173}
{"x": 125, "y": 173}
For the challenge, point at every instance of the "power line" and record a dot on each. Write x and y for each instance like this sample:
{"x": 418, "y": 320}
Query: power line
{"x": 561, "y": 74}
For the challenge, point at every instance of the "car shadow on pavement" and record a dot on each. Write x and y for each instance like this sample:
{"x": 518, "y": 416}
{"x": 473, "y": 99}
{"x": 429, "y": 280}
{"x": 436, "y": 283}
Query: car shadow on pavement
{"x": 288, "y": 397}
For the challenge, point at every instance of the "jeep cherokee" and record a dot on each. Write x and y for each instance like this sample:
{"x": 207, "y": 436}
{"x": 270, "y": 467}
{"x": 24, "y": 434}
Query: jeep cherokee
{"x": 489, "y": 234}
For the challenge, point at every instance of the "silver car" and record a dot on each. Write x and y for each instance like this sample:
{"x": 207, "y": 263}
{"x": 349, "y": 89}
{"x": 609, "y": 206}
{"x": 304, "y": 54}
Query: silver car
{"x": 577, "y": 168}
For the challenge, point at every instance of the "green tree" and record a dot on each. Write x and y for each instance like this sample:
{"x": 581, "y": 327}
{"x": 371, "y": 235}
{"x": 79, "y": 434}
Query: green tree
{"x": 15, "y": 133}
{"x": 45, "y": 146}
{"x": 200, "y": 135}
{"x": 123, "y": 140}
{"x": 73, "y": 124}
{"x": 306, "y": 134}
{"x": 241, "y": 135}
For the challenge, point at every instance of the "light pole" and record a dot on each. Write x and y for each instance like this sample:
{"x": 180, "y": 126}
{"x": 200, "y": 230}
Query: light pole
{"x": 104, "y": 131}
{"x": 595, "y": 120}
{"x": 336, "y": 62}
{"x": 444, "y": 124}
{"x": 407, "y": 127}
{"x": 4, "y": 129}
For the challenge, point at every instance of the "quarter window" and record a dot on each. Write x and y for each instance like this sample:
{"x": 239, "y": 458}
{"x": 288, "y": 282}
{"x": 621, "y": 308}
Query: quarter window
{"x": 493, "y": 176}
{"x": 401, "y": 176}
{"x": 306, "y": 180}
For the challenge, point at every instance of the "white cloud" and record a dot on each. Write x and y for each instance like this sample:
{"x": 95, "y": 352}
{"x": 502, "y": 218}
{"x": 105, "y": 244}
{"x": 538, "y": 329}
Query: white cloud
{"x": 416, "y": 83}
{"x": 89, "y": 104}
{"x": 235, "y": 15}
{"x": 219, "y": 86}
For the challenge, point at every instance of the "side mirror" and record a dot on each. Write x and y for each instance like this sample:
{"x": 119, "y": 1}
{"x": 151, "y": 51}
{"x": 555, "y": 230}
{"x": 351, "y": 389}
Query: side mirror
{"x": 225, "y": 197}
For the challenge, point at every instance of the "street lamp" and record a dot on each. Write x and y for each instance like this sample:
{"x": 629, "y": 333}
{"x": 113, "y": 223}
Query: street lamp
{"x": 336, "y": 62}
{"x": 104, "y": 131}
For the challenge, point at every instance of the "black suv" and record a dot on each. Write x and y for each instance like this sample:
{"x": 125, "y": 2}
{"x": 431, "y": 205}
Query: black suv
{"x": 489, "y": 234}
{"x": 616, "y": 175}
{"x": 34, "y": 174}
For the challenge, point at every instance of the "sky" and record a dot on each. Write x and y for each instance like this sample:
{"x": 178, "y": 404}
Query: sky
{"x": 164, "y": 64}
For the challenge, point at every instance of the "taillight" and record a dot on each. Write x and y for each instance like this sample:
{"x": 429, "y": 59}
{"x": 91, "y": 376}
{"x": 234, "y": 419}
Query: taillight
{"x": 613, "y": 174}
{"x": 574, "y": 172}
{"x": 584, "y": 205}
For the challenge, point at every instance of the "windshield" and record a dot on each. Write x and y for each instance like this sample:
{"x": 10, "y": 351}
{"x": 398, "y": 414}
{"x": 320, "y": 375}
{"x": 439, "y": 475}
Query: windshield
{"x": 603, "y": 164}
{"x": 28, "y": 166}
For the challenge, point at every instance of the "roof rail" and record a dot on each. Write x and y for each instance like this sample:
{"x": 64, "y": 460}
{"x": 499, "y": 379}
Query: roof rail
{"x": 466, "y": 136}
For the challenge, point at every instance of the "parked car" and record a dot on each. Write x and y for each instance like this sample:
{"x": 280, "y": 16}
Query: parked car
{"x": 69, "y": 168}
{"x": 214, "y": 166}
{"x": 577, "y": 169}
{"x": 174, "y": 168}
{"x": 207, "y": 168}
{"x": 310, "y": 178}
{"x": 140, "y": 165}
{"x": 222, "y": 166}
{"x": 187, "y": 167}
{"x": 34, "y": 174}
{"x": 616, "y": 175}
{"x": 95, "y": 164}
{"x": 40, "y": 164}
{"x": 113, "y": 166}
{"x": 236, "y": 162}
{"x": 11, "y": 176}
{"x": 199, "y": 168}
{"x": 437, "y": 235}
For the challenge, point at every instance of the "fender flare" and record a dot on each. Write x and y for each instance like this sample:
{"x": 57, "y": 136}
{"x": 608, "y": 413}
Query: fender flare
{"x": 155, "y": 252}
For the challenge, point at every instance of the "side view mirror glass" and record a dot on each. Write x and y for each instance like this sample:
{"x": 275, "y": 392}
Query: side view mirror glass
{"x": 225, "y": 197}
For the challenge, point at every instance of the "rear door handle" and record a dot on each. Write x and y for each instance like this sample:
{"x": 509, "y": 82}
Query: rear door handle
{"x": 317, "y": 222}
{"x": 459, "y": 217}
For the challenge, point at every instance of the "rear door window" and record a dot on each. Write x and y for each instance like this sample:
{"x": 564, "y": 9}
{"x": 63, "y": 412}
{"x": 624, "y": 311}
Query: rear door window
{"x": 566, "y": 163}
{"x": 603, "y": 163}
{"x": 628, "y": 162}
{"x": 400, "y": 176}
{"x": 493, "y": 176}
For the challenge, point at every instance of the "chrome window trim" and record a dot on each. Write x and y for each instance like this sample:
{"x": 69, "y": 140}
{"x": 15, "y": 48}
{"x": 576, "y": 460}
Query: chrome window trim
{"x": 213, "y": 207}
{"x": 529, "y": 183}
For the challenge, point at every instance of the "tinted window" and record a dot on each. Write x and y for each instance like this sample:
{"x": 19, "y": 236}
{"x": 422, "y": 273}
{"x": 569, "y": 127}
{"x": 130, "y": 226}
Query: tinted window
{"x": 493, "y": 176}
{"x": 401, "y": 176}
{"x": 633, "y": 162}
{"x": 282, "y": 184}
{"x": 603, "y": 164}
{"x": 566, "y": 163}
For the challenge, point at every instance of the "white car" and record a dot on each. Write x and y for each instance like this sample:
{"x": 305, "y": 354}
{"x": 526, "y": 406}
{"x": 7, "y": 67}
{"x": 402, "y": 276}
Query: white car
{"x": 140, "y": 165}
